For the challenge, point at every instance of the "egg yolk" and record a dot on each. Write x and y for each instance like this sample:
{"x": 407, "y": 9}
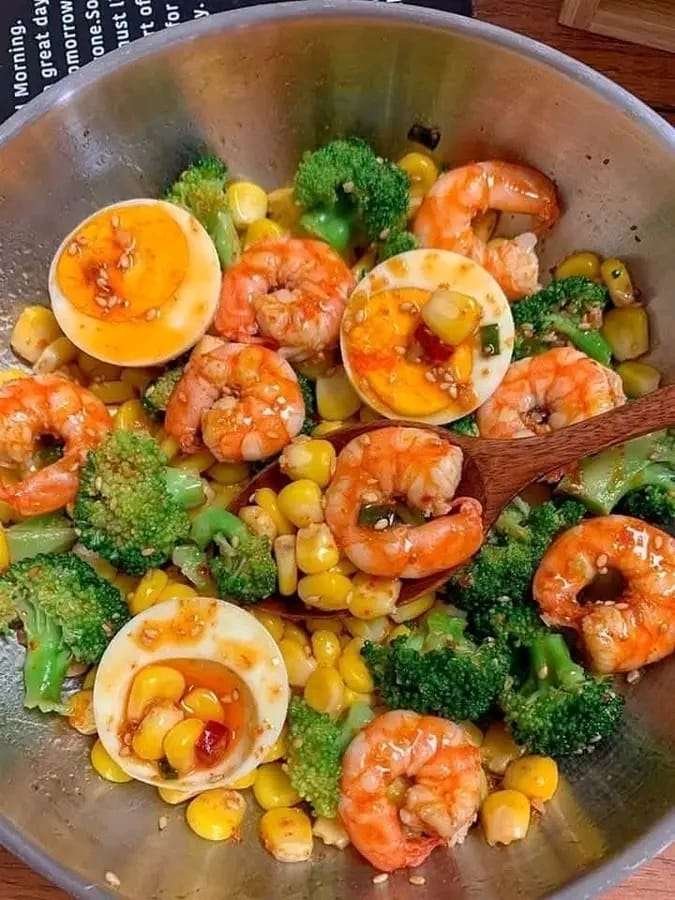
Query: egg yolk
{"x": 124, "y": 262}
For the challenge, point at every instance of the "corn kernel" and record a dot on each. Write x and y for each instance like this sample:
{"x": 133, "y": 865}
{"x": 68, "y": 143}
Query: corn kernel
{"x": 315, "y": 549}
{"x": 126, "y": 584}
{"x": 269, "y": 501}
{"x": 326, "y": 647}
{"x": 336, "y": 399}
{"x": 300, "y": 502}
{"x": 309, "y": 459}
{"x": 369, "y": 629}
{"x": 498, "y": 748}
{"x": 534, "y": 776}
{"x": 461, "y": 363}
{"x": 584, "y": 263}
{"x": 89, "y": 679}
{"x": 298, "y": 660}
{"x": 223, "y": 494}
{"x": 274, "y": 624}
{"x": 344, "y": 566}
{"x": 97, "y": 370}
{"x": 626, "y": 330}
{"x": 406, "y": 612}
{"x": 421, "y": 170}
{"x": 323, "y": 623}
{"x": 148, "y": 591}
{"x": 176, "y": 590}
{"x": 473, "y": 733}
{"x": 131, "y": 416}
{"x": 277, "y": 750}
{"x": 197, "y": 462}
{"x": 287, "y": 568}
{"x": 229, "y": 473}
{"x": 638, "y": 378}
{"x": 112, "y": 392}
{"x": 353, "y": 669}
{"x": 372, "y": 596}
{"x": 258, "y": 521}
{"x": 180, "y": 742}
{"x": 247, "y": 202}
{"x": 287, "y": 834}
{"x": 397, "y": 632}
{"x": 34, "y": 330}
{"x": 282, "y": 208}
{"x": 272, "y": 787}
{"x": 328, "y": 591}
{"x": 352, "y": 697}
{"x": 293, "y": 632}
{"x": 106, "y": 766}
{"x": 262, "y": 230}
{"x": 11, "y": 375}
{"x": 216, "y": 815}
{"x": 139, "y": 378}
{"x": 169, "y": 447}
{"x": 81, "y": 712}
{"x": 201, "y": 703}
{"x": 173, "y": 796}
{"x": 451, "y": 316}
{"x": 505, "y": 817}
{"x": 148, "y": 739}
{"x": 55, "y": 356}
{"x": 324, "y": 428}
{"x": 325, "y": 691}
{"x": 4, "y": 549}
{"x": 245, "y": 781}
{"x": 615, "y": 275}
{"x": 331, "y": 832}
{"x": 154, "y": 682}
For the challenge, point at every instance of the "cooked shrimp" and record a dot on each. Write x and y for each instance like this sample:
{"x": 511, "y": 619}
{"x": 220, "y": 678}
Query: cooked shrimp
{"x": 425, "y": 470}
{"x": 289, "y": 293}
{"x": 543, "y": 393}
{"x": 47, "y": 406}
{"x": 242, "y": 401}
{"x": 445, "y": 218}
{"x": 438, "y": 808}
{"x": 638, "y": 626}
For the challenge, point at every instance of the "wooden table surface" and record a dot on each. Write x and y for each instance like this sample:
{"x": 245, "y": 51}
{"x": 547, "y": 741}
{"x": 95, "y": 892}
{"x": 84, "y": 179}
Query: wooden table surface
{"x": 650, "y": 74}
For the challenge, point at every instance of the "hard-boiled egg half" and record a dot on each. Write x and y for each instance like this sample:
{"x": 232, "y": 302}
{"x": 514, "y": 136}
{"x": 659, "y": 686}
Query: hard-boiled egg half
{"x": 190, "y": 694}
{"x": 135, "y": 284}
{"x": 427, "y": 336}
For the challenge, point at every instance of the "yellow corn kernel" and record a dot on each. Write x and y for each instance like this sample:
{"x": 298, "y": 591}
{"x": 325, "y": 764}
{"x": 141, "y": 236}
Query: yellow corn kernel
{"x": 138, "y": 378}
{"x": 451, "y": 316}
{"x": 505, "y": 817}
{"x": 106, "y": 766}
{"x": 352, "y": 697}
{"x": 268, "y": 500}
{"x": 55, "y": 356}
{"x": 172, "y": 796}
{"x": 148, "y": 739}
{"x": 638, "y": 378}
{"x": 293, "y": 632}
{"x": 201, "y": 703}
{"x": 196, "y": 462}
{"x": 473, "y": 733}
{"x": 132, "y": 416}
{"x": 309, "y": 459}
{"x": 224, "y": 494}
{"x": 331, "y": 832}
{"x": 298, "y": 660}
{"x": 336, "y": 399}
{"x": 353, "y": 669}
{"x": 216, "y": 815}
{"x": 272, "y": 787}
{"x": 323, "y": 624}
{"x": 258, "y": 521}
{"x": 461, "y": 363}
{"x": 154, "y": 682}
{"x": 372, "y": 596}
{"x": 328, "y": 591}
{"x": 148, "y": 591}
{"x": 367, "y": 414}
{"x": 534, "y": 776}
{"x": 229, "y": 473}
{"x": 277, "y": 750}
{"x": 344, "y": 566}
{"x": 406, "y": 612}
{"x": 324, "y": 428}
{"x": 4, "y": 549}
{"x": 315, "y": 549}
{"x": 274, "y": 624}
{"x": 498, "y": 748}
{"x": 176, "y": 590}
{"x": 325, "y": 691}
{"x": 397, "y": 632}
{"x": 126, "y": 584}
{"x": 300, "y": 502}
{"x": 287, "y": 568}
{"x": 81, "y": 712}
{"x": 97, "y": 370}
{"x": 89, "y": 679}
{"x": 584, "y": 263}
{"x": 245, "y": 781}
{"x": 35, "y": 329}
{"x": 326, "y": 647}
{"x": 11, "y": 375}
{"x": 262, "y": 230}
{"x": 247, "y": 202}
{"x": 421, "y": 170}
{"x": 287, "y": 834}
{"x": 368, "y": 629}
{"x": 615, "y": 275}
{"x": 626, "y": 330}
{"x": 112, "y": 392}
{"x": 169, "y": 447}
{"x": 282, "y": 208}
{"x": 179, "y": 745}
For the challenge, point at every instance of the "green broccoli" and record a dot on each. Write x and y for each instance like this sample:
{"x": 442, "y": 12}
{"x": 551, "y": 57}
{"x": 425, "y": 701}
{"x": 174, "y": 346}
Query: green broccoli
{"x": 50, "y": 533}
{"x": 569, "y": 309}
{"x": 559, "y": 709}
{"x": 68, "y": 612}
{"x": 398, "y": 241}
{"x": 309, "y": 397}
{"x": 467, "y": 426}
{"x": 130, "y": 507}
{"x": 438, "y": 669}
{"x": 316, "y": 743}
{"x": 654, "y": 503}
{"x": 243, "y": 569}
{"x": 347, "y": 190}
{"x": 200, "y": 190}
{"x": 157, "y": 393}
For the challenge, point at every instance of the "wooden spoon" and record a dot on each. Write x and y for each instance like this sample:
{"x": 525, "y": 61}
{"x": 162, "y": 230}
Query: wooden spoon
{"x": 495, "y": 471}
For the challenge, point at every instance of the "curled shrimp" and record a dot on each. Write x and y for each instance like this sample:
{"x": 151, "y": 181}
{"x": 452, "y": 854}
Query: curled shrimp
{"x": 289, "y": 293}
{"x": 446, "y": 218}
{"x": 543, "y": 393}
{"x": 438, "y": 808}
{"x": 242, "y": 401}
{"x": 47, "y": 406}
{"x": 635, "y": 628}
{"x": 424, "y": 470}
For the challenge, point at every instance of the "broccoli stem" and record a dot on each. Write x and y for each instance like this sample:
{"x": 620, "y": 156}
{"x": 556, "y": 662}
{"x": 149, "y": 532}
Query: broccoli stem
{"x": 193, "y": 564}
{"x": 185, "y": 488}
{"x": 42, "y": 534}
{"x": 592, "y": 343}
{"x": 552, "y": 664}
{"x": 216, "y": 521}
{"x": 46, "y": 663}
{"x": 357, "y": 717}
{"x": 331, "y": 224}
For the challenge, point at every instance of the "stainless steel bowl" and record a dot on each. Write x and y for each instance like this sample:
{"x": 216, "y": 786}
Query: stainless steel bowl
{"x": 259, "y": 86}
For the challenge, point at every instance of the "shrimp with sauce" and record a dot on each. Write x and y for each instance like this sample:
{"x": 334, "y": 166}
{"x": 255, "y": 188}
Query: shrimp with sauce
{"x": 447, "y": 217}
{"x": 243, "y": 401}
{"x": 635, "y": 628}
{"x": 289, "y": 293}
{"x": 439, "y": 806}
{"x": 42, "y": 406}
{"x": 543, "y": 393}
{"x": 425, "y": 470}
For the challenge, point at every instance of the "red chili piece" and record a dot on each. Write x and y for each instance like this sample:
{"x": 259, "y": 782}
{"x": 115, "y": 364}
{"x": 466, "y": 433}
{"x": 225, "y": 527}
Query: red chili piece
{"x": 213, "y": 743}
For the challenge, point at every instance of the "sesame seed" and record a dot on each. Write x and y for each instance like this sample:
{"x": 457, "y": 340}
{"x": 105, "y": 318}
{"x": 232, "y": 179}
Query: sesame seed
{"x": 124, "y": 262}
{"x": 384, "y": 234}
{"x": 112, "y": 879}
{"x": 100, "y": 301}
{"x": 348, "y": 187}
{"x": 360, "y": 315}
{"x": 147, "y": 551}
{"x": 381, "y": 878}
{"x": 453, "y": 390}
{"x": 400, "y": 350}
{"x": 430, "y": 377}
{"x": 381, "y": 524}
{"x": 417, "y": 880}
{"x": 658, "y": 542}
{"x": 151, "y": 314}
{"x": 162, "y": 822}
{"x": 73, "y": 248}
{"x": 115, "y": 221}
{"x": 622, "y": 606}
{"x": 633, "y": 676}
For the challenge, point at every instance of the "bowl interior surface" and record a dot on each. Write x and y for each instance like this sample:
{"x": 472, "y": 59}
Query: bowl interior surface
{"x": 258, "y": 87}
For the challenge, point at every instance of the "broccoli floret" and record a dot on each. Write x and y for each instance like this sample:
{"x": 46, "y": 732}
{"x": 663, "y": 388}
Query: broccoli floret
{"x": 438, "y": 669}
{"x": 68, "y": 612}
{"x": 467, "y": 425}
{"x": 309, "y": 397}
{"x": 316, "y": 743}
{"x": 560, "y": 708}
{"x": 654, "y": 503}
{"x": 399, "y": 241}
{"x": 569, "y": 309}
{"x": 346, "y": 189}
{"x": 157, "y": 393}
{"x": 243, "y": 569}
{"x": 200, "y": 190}
{"x": 130, "y": 507}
